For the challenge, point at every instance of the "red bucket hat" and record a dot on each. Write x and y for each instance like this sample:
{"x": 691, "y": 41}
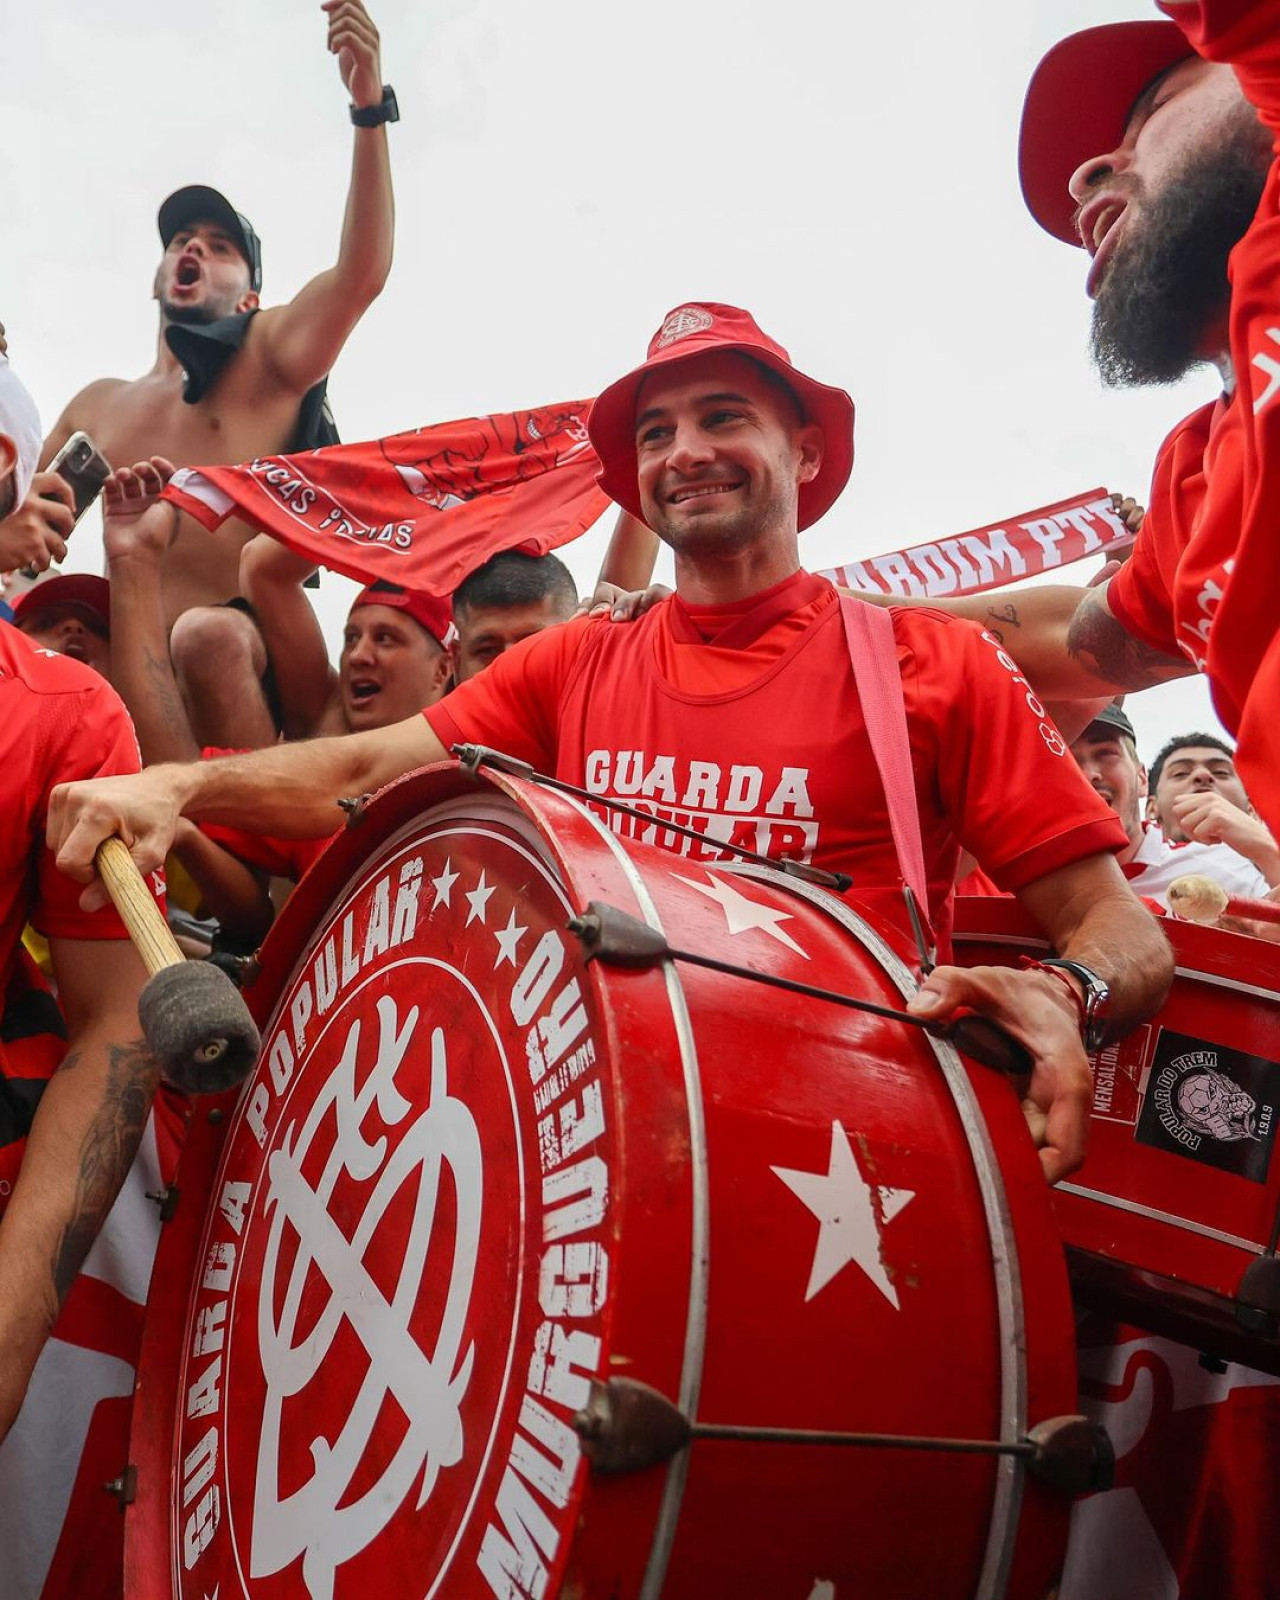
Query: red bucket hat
{"x": 436, "y": 616}
{"x": 695, "y": 330}
{"x": 1077, "y": 104}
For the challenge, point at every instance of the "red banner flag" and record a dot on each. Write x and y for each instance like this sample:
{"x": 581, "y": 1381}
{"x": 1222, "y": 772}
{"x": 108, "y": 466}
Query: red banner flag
{"x": 988, "y": 558}
{"x": 420, "y": 509}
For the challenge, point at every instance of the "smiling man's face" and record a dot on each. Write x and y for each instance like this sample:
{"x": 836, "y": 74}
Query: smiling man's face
{"x": 721, "y": 452}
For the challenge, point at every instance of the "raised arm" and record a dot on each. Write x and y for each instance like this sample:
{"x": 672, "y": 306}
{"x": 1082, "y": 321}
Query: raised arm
{"x": 271, "y": 580}
{"x": 137, "y": 532}
{"x": 300, "y": 341}
{"x": 82, "y": 1142}
{"x": 623, "y": 587}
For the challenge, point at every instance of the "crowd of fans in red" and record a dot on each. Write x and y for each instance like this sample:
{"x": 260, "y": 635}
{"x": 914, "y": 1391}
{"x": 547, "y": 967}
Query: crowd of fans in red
{"x": 206, "y": 645}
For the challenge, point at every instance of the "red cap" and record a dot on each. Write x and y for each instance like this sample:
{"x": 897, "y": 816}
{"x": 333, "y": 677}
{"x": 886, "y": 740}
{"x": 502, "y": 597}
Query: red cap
{"x": 1077, "y": 104}
{"x": 436, "y": 616}
{"x": 697, "y": 329}
{"x": 81, "y": 589}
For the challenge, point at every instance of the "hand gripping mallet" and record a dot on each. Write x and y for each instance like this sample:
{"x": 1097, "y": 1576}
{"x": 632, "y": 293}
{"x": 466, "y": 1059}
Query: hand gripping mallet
{"x": 193, "y": 1018}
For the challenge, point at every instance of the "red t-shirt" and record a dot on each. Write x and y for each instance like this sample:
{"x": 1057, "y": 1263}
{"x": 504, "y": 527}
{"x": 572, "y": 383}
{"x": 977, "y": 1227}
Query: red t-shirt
{"x": 756, "y": 738}
{"x": 1205, "y": 570}
{"x": 59, "y": 721}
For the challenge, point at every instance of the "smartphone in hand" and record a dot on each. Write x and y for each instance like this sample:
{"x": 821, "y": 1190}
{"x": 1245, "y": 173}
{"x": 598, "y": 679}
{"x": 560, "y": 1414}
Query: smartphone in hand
{"x": 83, "y": 466}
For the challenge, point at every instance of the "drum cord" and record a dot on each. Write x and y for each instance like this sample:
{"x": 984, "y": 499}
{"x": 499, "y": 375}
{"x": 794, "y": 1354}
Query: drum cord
{"x": 474, "y": 756}
{"x": 620, "y": 940}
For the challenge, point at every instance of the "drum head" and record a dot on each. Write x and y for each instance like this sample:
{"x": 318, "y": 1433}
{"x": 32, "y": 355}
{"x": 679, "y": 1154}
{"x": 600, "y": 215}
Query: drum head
{"x": 402, "y": 1281}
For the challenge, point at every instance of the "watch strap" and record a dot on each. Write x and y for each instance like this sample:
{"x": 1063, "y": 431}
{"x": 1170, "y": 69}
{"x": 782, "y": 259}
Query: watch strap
{"x": 386, "y": 110}
{"x": 1097, "y": 994}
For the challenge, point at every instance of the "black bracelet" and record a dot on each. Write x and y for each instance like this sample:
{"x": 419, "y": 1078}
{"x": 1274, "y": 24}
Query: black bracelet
{"x": 374, "y": 116}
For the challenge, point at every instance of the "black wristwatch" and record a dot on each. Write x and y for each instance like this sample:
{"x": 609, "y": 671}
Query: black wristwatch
{"x": 386, "y": 110}
{"x": 1097, "y": 998}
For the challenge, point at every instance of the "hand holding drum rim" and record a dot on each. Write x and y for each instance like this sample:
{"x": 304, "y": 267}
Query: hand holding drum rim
{"x": 1035, "y": 1009}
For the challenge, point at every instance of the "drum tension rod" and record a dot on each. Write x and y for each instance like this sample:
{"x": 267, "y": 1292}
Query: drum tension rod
{"x": 626, "y": 1426}
{"x": 1258, "y": 1293}
{"x": 471, "y": 757}
{"x": 621, "y": 940}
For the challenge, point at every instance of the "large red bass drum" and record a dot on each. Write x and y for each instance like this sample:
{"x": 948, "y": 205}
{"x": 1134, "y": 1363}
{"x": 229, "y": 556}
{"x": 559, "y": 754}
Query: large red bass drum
{"x": 485, "y": 1199}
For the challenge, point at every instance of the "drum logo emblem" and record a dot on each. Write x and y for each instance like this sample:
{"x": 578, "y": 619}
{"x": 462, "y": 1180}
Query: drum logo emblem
{"x": 1211, "y": 1104}
{"x": 322, "y": 1521}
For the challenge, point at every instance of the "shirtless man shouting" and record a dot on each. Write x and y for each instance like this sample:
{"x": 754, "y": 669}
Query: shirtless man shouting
{"x": 230, "y": 382}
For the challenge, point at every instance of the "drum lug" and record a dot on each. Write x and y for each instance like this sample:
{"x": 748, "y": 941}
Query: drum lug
{"x": 1258, "y": 1297}
{"x": 355, "y": 807}
{"x": 626, "y": 1426}
{"x": 166, "y": 1199}
{"x": 1072, "y": 1453}
{"x": 125, "y": 1487}
{"x": 617, "y": 938}
{"x": 471, "y": 757}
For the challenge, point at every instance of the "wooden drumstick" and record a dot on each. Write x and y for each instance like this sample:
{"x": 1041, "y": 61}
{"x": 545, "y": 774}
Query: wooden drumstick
{"x": 193, "y": 1017}
{"x": 137, "y": 907}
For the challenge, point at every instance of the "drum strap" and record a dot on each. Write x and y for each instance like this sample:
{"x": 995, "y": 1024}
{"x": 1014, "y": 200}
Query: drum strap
{"x": 873, "y": 652}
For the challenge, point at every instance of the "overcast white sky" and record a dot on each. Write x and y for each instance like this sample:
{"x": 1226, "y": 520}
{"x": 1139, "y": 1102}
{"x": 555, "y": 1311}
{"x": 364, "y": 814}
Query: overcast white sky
{"x": 567, "y": 173}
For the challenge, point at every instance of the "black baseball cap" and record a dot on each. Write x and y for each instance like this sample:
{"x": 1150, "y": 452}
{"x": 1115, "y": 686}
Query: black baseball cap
{"x": 198, "y": 203}
{"x": 1113, "y": 716}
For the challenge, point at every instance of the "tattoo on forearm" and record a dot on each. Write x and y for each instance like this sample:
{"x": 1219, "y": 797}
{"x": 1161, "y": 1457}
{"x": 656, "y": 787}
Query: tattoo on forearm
{"x": 166, "y": 702}
{"x": 1008, "y": 615}
{"x": 1107, "y": 649}
{"x": 106, "y": 1152}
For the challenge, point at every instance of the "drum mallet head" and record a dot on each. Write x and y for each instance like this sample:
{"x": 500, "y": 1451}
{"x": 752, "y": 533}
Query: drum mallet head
{"x": 198, "y": 1027}
{"x": 193, "y": 1018}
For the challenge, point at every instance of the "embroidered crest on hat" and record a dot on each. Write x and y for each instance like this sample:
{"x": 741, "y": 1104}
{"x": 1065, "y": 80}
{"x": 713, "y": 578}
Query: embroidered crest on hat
{"x": 683, "y": 322}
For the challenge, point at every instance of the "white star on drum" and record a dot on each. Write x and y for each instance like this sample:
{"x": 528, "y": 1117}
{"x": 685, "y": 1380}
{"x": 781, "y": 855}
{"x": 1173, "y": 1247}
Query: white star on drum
{"x": 478, "y": 899}
{"x": 841, "y": 1199}
{"x": 443, "y": 885}
{"x": 742, "y": 914}
{"x": 508, "y": 941}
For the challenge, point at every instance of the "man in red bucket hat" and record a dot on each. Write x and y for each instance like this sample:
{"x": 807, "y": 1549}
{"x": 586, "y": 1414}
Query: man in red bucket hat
{"x": 732, "y": 710}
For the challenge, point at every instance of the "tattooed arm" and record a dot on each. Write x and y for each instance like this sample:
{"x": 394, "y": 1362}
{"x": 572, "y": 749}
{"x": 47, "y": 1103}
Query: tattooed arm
{"x": 81, "y": 1144}
{"x": 1067, "y": 641}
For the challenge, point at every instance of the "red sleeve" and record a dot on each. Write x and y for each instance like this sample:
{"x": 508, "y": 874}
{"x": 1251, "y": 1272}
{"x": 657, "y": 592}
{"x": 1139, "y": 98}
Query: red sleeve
{"x": 1245, "y": 33}
{"x": 89, "y": 735}
{"x": 1008, "y": 783}
{"x": 1140, "y": 596}
{"x": 512, "y": 705}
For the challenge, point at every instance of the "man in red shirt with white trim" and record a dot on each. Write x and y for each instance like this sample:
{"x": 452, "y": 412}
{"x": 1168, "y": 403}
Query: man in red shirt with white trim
{"x": 732, "y": 707}
{"x": 1152, "y": 144}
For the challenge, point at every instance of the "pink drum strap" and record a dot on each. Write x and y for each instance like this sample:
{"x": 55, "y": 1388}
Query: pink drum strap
{"x": 873, "y": 651}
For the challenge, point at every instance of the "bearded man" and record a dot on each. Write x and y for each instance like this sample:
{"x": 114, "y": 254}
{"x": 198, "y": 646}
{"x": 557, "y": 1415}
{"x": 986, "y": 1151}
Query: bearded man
{"x": 1151, "y": 145}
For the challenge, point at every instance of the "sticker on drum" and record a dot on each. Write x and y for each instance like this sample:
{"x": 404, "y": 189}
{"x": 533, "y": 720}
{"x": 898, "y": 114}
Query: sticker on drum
{"x": 404, "y": 1274}
{"x": 1211, "y": 1104}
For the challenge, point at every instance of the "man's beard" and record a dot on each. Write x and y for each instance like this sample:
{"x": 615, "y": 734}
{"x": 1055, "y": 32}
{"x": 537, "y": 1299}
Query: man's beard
{"x": 1167, "y": 281}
